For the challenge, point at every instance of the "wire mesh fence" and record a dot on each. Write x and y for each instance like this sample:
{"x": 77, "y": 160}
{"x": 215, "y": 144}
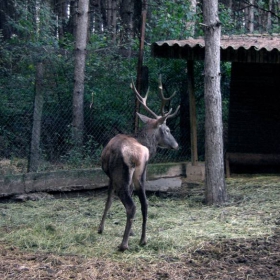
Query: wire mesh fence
{"x": 50, "y": 127}
{"x": 45, "y": 135}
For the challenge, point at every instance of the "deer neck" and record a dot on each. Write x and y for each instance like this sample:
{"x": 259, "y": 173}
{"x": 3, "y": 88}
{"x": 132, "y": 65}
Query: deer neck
{"x": 148, "y": 138}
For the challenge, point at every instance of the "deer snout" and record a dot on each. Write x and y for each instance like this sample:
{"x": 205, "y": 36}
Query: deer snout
{"x": 175, "y": 146}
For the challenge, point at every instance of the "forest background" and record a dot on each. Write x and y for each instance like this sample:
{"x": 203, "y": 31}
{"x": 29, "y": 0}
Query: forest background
{"x": 37, "y": 57}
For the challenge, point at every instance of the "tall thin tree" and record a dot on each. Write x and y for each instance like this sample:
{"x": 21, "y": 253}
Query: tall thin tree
{"x": 126, "y": 14}
{"x": 34, "y": 158}
{"x": 79, "y": 74}
{"x": 251, "y": 16}
{"x": 214, "y": 159}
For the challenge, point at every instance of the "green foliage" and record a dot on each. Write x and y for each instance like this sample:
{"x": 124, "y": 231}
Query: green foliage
{"x": 109, "y": 101}
{"x": 225, "y": 16}
{"x": 169, "y": 21}
{"x": 82, "y": 157}
{"x": 35, "y": 24}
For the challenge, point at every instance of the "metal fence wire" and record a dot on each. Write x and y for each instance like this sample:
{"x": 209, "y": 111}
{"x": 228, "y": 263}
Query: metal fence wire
{"x": 103, "y": 118}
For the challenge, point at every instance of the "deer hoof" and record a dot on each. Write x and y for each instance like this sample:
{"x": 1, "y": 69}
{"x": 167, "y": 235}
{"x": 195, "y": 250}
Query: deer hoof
{"x": 100, "y": 230}
{"x": 122, "y": 247}
{"x": 143, "y": 242}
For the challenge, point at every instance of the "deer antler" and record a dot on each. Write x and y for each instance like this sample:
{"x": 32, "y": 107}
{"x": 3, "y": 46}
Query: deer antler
{"x": 164, "y": 100}
{"x": 143, "y": 100}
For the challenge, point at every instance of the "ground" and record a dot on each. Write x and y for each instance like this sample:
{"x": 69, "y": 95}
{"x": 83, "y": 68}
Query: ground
{"x": 224, "y": 259}
{"x": 234, "y": 259}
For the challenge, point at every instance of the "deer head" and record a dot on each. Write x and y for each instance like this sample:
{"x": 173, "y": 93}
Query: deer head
{"x": 156, "y": 125}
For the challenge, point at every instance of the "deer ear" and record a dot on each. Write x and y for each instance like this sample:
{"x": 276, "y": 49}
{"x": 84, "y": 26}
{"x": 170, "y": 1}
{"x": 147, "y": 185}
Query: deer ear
{"x": 143, "y": 118}
{"x": 161, "y": 120}
{"x": 153, "y": 122}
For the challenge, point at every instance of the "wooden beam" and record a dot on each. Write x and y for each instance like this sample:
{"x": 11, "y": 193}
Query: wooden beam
{"x": 193, "y": 125}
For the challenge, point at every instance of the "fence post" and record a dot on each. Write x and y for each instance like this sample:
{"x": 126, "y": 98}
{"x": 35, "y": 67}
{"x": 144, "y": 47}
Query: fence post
{"x": 193, "y": 126}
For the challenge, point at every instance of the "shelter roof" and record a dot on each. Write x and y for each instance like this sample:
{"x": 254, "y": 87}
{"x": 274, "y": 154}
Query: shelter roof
{"x": 264, "y": 48}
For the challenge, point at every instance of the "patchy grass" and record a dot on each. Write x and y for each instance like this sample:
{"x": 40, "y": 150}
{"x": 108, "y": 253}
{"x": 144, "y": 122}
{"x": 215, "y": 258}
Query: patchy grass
{"x": 57, "y": 239}
{"x": 177, "y": 225}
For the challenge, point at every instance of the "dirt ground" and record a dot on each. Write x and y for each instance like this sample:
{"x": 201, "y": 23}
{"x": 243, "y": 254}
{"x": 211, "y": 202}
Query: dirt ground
{"x": 233, "y": 259}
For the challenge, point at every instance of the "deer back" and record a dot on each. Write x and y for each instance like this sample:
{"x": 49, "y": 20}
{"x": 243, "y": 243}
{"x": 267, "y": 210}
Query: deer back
{"x": 123, "y": 150}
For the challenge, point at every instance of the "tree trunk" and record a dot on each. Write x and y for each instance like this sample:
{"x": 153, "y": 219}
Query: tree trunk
{"x": 7, "y": 10}
{"x": 34, "y": 158}
{"x": 109, "y": 12}
{"x": 268, "y": 25}
{"x": 62, "y": 18}
{"x": 251, "y": 17}
{"x": 126, "y": 13}
{"x": 96, "y": 21}
{"x": 79, "y": 75}
{"x": 114, "y": 20}
{"x": 137, "y": 18}
{"x": 214, "y": 160}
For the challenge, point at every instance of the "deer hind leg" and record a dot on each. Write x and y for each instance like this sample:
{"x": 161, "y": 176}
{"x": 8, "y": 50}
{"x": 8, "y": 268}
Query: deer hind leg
{"x": 131, "y": 193}
{"x": 130, "y": 208}
{"x": 140, "y": 186}
{"x": 144, "y": 209}
{"x": 107, "y": 207}
{"x": 124, "y": 189}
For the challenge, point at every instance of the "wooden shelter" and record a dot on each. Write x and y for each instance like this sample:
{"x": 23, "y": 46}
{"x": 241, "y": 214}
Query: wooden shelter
{"x": 254, "y": 110}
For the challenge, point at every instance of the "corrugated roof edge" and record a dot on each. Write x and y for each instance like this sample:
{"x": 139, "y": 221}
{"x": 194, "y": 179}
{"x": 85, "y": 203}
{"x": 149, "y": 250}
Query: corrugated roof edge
{"x": 246, "y": 41}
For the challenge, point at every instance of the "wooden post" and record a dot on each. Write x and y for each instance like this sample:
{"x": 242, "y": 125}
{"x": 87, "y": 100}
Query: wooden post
{"x": 227, "y": 166}
{"x": 140, "y": 61}
{"x": 193, "y": 126}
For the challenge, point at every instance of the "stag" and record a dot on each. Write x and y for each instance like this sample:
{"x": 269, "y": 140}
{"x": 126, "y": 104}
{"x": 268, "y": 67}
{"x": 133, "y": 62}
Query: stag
{"x": 125, "y": 158}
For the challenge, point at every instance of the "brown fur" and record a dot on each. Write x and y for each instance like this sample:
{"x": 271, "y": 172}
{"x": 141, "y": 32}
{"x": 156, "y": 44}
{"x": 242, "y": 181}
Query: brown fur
{"x": 126, "y": 147}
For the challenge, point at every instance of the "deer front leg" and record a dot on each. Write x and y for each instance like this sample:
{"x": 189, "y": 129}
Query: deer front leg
{"x": 130, "y": 212}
